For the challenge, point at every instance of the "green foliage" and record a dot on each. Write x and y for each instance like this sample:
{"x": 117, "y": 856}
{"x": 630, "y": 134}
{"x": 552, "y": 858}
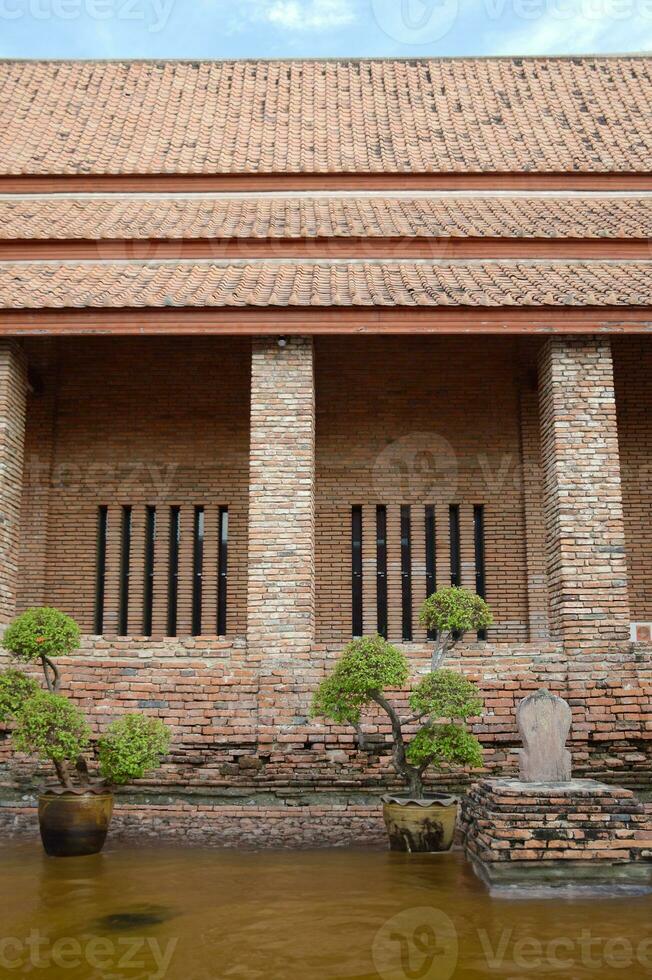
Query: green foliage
{"x": 440, "y": 745}
{"x": 368, "y": 665}
{"x": 455, "y": 610}
{"x": 442, "y": 701}
{"x": 15, "y": 689}
{"x": 41, "y": 632}
{"x": 51, "y": 727}
{"x": 446, "y": 694}
{"x": 131, "y": 747}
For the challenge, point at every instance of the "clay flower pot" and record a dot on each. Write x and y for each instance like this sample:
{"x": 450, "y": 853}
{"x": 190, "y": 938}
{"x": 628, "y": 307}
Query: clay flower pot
{"x": 420, "y": 826}
{"x": 74, "y": 823}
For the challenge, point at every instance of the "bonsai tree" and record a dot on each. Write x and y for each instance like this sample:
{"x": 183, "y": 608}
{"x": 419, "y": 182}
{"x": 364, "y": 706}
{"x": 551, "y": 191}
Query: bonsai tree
{"x": 50, "y": 726}
{"x": 40, "y": 635}
{"x": 441, "y": 703}
{"x": 449, "y": 614}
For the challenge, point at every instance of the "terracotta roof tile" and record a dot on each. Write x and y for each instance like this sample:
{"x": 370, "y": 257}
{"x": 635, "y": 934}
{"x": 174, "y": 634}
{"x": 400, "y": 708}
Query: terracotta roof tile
{"x": 504, "y": 115}
{"x": 301, "y": 218}
{"x": 34, "y": 285}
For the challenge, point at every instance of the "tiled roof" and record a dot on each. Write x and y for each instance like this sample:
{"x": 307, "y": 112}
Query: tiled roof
{"x": 505, "y": 115}
{"x": 307, "y": 217}
{"x": 34, "y": 285}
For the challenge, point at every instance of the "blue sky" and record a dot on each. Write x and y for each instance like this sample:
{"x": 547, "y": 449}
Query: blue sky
{"x": 319, "y": 28}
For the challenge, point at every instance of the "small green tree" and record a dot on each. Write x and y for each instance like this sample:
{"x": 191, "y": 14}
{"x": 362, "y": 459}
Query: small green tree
{"x": 39, "y": 636}
{"x": 50, "y": 726}
{"x": 131, "y": 747}
{"x": 450, "y": 613}
{"x": 441, "y": 703}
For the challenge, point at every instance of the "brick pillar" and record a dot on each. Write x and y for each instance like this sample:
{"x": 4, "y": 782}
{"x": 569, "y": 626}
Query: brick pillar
{"x": 534, "y": 520}
{"x": 582, "y": 493}
{"x": 13, "y": 396}
{"x": 281, "y": 586}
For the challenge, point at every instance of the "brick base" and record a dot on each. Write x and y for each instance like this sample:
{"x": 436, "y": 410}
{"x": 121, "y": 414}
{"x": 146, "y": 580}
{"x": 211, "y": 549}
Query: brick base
{"x": 582, "y": 831}
{"x": 202, "y": 824}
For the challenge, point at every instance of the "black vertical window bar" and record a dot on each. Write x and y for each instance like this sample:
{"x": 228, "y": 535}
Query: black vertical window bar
{"x": 406, "y": 571}
{"x": 148, "y": 584}
{"x": 100, "y": 577}
{"x": 456, "y": 565}
{"x": 125, "y": 568}
{"x": 197, "y": 570}
{"x": 356, "y": 570}
{"x": 381, "y": 570}
{"x": 480, "y": 578}
{"x": 223, "y": 570}
{"x": 173, "y": 569}
{"x": 431, "y": 553}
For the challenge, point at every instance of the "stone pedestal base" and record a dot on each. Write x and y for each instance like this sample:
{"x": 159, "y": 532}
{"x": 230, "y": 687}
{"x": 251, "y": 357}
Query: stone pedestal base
{"x": 545, "y": 834}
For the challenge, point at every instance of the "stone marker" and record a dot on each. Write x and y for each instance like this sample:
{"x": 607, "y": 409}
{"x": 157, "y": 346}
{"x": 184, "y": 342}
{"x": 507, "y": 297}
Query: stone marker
{"x": 544, "y": 722}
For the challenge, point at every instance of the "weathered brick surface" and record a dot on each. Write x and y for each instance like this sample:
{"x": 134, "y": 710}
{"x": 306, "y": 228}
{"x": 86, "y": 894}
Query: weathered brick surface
{"x": 579, "y": 821}
{"x": 633, "y": 374}
{"x": 281, "y": 560}
{"x": 203, "y": 824}
{"x": 587, "y": 573}
{"x": 396, "y": 424}
{"x": 122, "y": 421}
{"x": 13, "y": 390}
{"x": 235, "y": 728}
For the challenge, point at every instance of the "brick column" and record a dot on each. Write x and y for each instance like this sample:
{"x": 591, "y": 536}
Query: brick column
{"x": 534, "y": 520}
{"x": 281, "y": 586}
{"x": 13, "y": 395}
{"x": 582, "y": 493}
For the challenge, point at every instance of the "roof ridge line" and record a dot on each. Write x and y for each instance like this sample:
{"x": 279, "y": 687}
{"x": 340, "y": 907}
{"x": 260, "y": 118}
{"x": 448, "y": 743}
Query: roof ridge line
{"x": 342, "y": 59}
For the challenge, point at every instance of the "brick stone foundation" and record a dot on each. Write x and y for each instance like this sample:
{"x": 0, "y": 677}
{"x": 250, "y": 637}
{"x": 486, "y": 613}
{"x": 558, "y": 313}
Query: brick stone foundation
{"x": 205, "y": 824}
{"x": 582, "y": 831}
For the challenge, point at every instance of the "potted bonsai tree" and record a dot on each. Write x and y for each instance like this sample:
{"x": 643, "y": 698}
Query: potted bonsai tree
{"x": 74, "y": 815}
{"x": 434, "y": 734}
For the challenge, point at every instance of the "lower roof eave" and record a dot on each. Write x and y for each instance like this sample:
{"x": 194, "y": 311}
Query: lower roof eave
{"x": 327, "y": 320}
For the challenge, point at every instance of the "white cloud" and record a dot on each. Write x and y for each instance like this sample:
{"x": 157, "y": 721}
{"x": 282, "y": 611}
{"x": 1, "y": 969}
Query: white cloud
{"x": 540, "y": 27}
{"x": 291, "y": 15}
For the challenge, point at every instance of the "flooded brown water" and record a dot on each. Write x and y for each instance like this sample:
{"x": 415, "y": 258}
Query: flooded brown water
{"x": 181, "y": 914}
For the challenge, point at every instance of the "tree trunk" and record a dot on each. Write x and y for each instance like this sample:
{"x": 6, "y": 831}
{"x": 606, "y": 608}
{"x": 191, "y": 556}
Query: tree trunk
{"x": 63, "y": 775}
{"x": 415, "y": 783}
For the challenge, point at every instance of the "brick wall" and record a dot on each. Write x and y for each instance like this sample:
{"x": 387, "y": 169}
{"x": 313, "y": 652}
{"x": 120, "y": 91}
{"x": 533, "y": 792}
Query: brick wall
{"x": 281, "y": 594}
{"x": 13, "y": 388}
{"x": 388, "y": 432}
{"x": 143, "y": 422}
{"x": 208, "y": 691}
{"x": 240, "y": 719}
{"x": 423, "y": 420}
{"x": 633, "y": 378}
{"x": 587, "y": 572}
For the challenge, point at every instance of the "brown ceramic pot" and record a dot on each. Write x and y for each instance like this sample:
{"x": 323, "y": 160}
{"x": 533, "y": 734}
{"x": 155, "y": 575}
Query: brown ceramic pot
{"x": 74, "y": 824}
{"x": 420, "y": 826}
